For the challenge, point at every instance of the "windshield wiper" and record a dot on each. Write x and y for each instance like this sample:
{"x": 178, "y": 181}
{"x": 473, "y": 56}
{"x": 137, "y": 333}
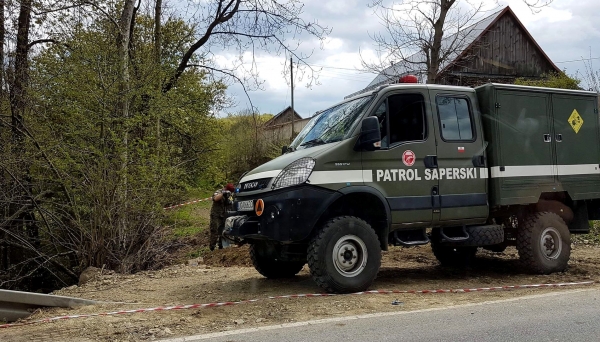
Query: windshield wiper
{"x": 314, "y": 142}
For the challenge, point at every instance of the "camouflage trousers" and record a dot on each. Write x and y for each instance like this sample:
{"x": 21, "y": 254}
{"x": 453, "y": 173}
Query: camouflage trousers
{"x": 217, "y": 224}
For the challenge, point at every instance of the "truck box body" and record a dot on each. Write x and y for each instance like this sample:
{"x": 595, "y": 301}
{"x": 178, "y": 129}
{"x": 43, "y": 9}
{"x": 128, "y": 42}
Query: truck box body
{"x": 540, "y": 140}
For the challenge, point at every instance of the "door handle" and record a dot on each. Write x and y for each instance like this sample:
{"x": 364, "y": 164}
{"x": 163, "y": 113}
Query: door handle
{"x": 559, "y": 138}
{"x": 431, "y": 162}
{"x": 547, "y": 138}
{"x": 479, "y": 161}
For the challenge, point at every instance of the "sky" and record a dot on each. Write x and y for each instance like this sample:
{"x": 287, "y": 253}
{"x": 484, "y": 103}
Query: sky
{"x": 567, "y": 30}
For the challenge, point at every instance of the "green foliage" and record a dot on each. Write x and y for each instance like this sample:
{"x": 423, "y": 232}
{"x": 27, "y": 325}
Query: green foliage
{"x": 111, "y": 175}
{"x": 552, "y": 80}
{"x": 246, "y": 144}
{"x": 593, "y": 237}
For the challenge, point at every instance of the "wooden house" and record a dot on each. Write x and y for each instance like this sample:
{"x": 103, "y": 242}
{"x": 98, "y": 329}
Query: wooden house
{"x": 496, "y": 49}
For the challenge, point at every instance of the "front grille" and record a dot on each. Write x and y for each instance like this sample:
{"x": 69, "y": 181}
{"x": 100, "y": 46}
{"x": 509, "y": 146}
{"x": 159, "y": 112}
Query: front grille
{"x": 253, "y": 185}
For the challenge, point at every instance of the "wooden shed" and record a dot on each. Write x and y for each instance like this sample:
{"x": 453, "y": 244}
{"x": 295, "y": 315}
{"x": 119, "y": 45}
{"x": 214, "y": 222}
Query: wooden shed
{"x": 502, "y": 51}
{"x": 496, "y": 49}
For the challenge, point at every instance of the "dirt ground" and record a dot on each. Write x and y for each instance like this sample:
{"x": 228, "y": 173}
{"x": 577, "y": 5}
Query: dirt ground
{"x": 206, "y": 280}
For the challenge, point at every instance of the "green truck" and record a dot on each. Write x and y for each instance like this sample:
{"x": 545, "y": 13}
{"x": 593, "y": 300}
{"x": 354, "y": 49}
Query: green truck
{"x": 412, "y": 164}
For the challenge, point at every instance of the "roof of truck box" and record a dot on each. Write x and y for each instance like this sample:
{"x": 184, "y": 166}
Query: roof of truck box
{"x": 538, "y": 89}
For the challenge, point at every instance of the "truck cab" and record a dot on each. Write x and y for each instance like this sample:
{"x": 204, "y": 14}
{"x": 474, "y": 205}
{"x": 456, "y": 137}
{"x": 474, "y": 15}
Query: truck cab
{"x": 406, "y": 164}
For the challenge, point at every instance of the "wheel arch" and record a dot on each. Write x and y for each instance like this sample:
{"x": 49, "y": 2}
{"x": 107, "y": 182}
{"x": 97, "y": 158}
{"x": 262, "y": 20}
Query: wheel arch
{"x": 366, "y": 203}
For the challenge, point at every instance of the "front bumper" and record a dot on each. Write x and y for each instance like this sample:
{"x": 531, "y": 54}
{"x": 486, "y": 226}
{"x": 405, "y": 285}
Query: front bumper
{"x": 289, "y": 215}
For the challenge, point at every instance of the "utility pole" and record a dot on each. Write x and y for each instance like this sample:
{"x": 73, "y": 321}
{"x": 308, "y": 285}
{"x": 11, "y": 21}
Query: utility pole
{"x": 292, "y": 84}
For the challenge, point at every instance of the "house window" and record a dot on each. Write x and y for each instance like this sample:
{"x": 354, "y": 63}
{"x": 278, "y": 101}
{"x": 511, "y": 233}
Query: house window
{"x": 455, "y": 118}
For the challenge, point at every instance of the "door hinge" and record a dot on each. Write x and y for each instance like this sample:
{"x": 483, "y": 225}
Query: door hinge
{"x": 497, "y": 105}
{"x": 596, "y": 110}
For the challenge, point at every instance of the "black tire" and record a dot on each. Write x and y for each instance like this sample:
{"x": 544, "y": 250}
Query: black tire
{"x": 486, "y": 235}
{"x": 544, "y": 243}
{"x": 357, "y": 252}
{"x": 266, "y": 259}
{"x": 453, "y": 256}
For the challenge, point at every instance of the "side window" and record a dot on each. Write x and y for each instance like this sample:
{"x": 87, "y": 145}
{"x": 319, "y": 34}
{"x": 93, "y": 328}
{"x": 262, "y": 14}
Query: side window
{"x": 455, "y": 118}
{"x": 407, "y": 118}
{"x": 380, "y": 113}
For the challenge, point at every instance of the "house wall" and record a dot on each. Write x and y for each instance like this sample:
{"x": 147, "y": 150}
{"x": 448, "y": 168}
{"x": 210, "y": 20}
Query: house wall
{"x": 284, "y": 131}
{"x": 283, "y": 118}
{"x": 503, "y": 54}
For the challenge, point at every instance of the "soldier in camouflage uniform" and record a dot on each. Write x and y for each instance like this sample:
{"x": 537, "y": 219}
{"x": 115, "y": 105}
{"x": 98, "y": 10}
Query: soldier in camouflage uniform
{"x": 222, "y": 202}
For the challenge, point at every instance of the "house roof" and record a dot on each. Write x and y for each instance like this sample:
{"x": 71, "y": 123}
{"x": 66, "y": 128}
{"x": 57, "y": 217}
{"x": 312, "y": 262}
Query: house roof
{"x": 273, "y": 119}
{"x": 466, "y": 37}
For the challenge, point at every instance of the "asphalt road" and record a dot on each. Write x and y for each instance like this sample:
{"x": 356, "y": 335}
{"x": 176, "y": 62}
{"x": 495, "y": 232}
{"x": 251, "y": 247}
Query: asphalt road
{"x": 560, "y": 316}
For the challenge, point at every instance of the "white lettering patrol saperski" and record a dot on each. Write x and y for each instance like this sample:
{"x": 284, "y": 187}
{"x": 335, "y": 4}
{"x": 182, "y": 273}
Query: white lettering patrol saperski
{"x": 401, "y": 175}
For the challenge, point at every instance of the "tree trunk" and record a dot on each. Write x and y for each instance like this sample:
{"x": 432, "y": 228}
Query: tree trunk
{"x": 157, "y": 59}
{"x": 22, "y": 224}
{"x": 2, "y": 37}
{"x": 123, "y": 108}
{"x": 436, "y": 46}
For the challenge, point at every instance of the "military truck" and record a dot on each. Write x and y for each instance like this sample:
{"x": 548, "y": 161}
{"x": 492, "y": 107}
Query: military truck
{"x": 412, "y": 164}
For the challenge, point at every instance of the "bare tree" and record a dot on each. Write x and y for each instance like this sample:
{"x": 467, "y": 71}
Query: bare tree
{"x": 422, "y": 36}
{"x": 242, "y": 27}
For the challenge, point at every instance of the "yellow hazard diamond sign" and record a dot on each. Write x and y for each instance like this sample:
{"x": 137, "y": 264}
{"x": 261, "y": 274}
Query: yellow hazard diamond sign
{"x": 576, "y": 121}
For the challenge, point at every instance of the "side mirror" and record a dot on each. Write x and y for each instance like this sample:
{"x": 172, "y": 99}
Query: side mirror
{"x": 284, "y": 149}
{"x": 369, "y": 134}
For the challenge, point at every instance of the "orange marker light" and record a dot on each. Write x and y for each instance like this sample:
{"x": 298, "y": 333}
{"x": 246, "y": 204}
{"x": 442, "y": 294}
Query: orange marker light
{"x": 259, "y": 207}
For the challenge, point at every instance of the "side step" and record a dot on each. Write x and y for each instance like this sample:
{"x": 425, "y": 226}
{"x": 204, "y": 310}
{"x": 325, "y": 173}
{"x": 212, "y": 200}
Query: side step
{"x": 408, "y": 238}
{"x": 454, "y": 234}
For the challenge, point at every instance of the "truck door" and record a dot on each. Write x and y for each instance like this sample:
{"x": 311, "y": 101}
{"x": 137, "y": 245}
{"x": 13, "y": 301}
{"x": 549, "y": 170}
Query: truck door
{"x": 461, "y": 160}
{"x": 398, "y": 169}
{"x": 577, "y": 144}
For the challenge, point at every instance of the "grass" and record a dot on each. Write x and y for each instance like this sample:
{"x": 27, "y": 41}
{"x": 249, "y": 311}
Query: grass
{"x": 191, "y": 219}
{"x": 593, "y": 237}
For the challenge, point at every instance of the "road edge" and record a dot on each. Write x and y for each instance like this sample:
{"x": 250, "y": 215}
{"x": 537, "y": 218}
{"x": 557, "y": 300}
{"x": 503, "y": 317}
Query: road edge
{"x": 362, "y": 316}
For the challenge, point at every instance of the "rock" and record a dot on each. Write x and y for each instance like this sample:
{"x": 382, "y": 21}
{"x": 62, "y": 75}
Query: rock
{"x": 72, "y": 287}
{"x": 259, "y": 320}
{"x": 88, "y": 274}
{"x": 239, "y": 321}
{"x": 168, "y": 331}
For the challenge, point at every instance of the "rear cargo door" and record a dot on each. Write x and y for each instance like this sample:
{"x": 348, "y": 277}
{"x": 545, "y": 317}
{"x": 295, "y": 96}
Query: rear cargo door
{"x": 525, "y": 144}
{"x": 461, "y": 160}
{"x": 577, "y": 140}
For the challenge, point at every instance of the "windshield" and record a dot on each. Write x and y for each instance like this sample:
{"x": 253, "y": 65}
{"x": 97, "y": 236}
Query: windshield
{"x": 332, "y": 124}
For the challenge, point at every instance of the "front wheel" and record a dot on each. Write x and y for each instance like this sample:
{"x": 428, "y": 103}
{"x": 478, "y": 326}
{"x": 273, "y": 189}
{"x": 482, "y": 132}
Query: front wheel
{"x": 345, "y": 255}
{"x": 544, "y": 243}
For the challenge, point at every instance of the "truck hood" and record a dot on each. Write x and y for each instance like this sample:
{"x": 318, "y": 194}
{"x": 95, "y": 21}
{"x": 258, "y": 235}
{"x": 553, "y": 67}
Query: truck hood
{"x": 273, "y": 167}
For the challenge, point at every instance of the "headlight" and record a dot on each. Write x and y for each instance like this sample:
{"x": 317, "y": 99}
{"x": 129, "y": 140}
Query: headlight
{"x": 295, "y": 173}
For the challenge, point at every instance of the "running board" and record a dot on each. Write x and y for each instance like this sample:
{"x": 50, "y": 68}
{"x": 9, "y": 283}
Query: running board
{"x": 454, "y": 234}
{"x": 408, "y": 238}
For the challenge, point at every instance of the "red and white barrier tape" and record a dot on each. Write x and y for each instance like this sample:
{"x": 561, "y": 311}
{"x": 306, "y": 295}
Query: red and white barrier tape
{"x": 212, "y": 305}
{"x": 187, "y": 203}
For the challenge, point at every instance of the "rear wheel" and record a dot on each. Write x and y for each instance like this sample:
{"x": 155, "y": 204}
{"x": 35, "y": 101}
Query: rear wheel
{"x": 544, "y": 243}
{"x": 345, "y": 255}
{"x": 268, "y": 261}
